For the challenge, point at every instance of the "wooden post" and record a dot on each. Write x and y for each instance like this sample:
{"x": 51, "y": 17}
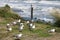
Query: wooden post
{"x": 31, "y": 12}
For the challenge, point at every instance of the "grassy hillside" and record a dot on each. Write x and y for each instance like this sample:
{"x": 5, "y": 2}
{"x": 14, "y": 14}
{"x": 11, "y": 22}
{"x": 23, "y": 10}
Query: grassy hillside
{"x": 41, "y": 31}
{"x": 7, "y": 13}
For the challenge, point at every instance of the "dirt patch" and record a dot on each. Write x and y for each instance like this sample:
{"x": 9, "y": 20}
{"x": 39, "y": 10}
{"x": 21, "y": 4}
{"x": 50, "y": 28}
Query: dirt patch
{"x": 1, "y": 19}
{"x": 56, "y": 36}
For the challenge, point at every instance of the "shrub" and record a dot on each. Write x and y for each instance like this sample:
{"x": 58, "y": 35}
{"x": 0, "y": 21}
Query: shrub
{"x": 56, "y": 14}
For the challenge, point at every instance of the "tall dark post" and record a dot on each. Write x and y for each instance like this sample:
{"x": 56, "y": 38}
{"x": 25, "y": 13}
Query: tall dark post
{"x": 31, "y": 12}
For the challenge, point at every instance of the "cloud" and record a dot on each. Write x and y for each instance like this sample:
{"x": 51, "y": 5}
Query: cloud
{"x": 50, "y": 2}
{"x": 30, "y": 1}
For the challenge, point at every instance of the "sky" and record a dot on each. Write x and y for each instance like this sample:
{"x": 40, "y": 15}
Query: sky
{"x": 22, "y": 3}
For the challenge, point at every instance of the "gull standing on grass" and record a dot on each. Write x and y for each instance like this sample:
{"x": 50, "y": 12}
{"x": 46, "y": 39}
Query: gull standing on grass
{"x": 30, "y": 26}
{"x": 52, "y": 30}
{"x": 14, "y": 23}
{"x": 18, "y": 36}
{"x": 21, "y": 27}
{"x": 33, "y": 27}
{"x": 18, "y": 22}
{"x": 9, "y": 27}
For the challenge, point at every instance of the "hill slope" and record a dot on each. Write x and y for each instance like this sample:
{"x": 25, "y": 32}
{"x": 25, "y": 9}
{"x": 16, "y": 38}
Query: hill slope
{"x": 6, "y": 12}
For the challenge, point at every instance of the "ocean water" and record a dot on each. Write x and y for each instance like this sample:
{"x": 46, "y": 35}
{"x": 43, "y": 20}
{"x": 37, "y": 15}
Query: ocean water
{"x": 41, "y": 7}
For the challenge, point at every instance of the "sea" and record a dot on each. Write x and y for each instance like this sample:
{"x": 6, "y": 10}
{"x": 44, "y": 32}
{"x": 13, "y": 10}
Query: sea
{"x": 40, "y": 8}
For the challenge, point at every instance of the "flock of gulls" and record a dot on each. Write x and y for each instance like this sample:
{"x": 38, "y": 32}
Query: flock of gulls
{"x": 21, "y": 25}
{"x": 20, "y": 28}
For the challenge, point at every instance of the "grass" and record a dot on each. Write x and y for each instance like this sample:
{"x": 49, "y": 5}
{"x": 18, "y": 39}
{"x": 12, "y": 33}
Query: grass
{"x": 39, "y": 31}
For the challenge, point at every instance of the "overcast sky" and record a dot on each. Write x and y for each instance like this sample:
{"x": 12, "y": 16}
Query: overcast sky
{"x": 43, "y": 0}
{"x": 20, "y": 2}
